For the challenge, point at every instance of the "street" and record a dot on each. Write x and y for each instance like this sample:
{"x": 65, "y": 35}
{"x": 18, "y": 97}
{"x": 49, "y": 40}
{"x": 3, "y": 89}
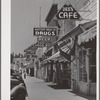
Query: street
{"x": 39, "y": 90}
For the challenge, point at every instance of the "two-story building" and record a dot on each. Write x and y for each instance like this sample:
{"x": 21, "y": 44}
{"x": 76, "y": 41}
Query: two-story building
{"x": 77, "y": 40}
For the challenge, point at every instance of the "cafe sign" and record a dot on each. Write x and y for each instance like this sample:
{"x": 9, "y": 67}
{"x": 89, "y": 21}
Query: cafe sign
{"x": 44, "y": 31}
{"x": 68, "y": 12}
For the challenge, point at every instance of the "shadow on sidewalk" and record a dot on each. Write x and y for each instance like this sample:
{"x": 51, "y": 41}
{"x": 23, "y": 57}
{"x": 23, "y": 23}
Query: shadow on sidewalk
{"x": 58, "y": 87}
{"x": 83, "y": 95}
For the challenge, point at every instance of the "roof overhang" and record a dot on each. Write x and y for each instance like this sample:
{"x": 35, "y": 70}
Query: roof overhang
{"x": 87, "y": 35}
{"x": 78, "y": 29}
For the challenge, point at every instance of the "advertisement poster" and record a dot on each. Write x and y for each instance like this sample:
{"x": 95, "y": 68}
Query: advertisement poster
{"x": 50, "y": 50}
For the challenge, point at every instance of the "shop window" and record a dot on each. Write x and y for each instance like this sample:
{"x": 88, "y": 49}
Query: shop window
{"x": 92, "y": 63}
{"x": 65, "y": 71}
{"x": 82, "y": 66}
{"x": 80, "y": 57}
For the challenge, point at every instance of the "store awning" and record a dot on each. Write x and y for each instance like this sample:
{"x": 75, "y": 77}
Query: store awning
{"x": 87, "y": 35}
{"x": 57, "y": 56}
{"x": 78, "y": 29}
{"x": 31, "y": 65}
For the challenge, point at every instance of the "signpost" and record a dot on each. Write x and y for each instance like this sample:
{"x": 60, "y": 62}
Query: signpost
{"x": 68, "y": 12}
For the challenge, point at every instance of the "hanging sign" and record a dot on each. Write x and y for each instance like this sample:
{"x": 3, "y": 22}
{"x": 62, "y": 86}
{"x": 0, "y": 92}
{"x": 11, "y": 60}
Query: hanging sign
{"x": 44, "y": 31}
{"x": 68, "y": 12}
{"x": 65, "y": 43}
{"x": 45, "y": 39}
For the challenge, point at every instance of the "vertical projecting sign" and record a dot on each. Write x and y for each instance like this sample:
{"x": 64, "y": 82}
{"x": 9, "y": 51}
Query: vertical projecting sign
{"x": 68, "y": 12}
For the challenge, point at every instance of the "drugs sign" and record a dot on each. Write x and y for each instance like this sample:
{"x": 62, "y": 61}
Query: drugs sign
{"x": 67, "y": 12}
{"x": 44, "y": 31}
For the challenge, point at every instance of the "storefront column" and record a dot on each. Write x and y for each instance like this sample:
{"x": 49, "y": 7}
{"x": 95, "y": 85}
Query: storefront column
{"x": 87, "y": 68}
{"x": 57, "y": 72}
{"x": 51, "y": 70}
{"x": 54, "y": 72}
{"x": 77, "y": 63}
{"x": 46, "y": 75}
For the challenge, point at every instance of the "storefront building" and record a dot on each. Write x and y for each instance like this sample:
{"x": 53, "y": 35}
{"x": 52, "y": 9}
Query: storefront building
{"x": 73, "y": 54}
{"x": 62, "y": 27}
{"x": 46, "y": 66}
{"x": 84, "y": 72}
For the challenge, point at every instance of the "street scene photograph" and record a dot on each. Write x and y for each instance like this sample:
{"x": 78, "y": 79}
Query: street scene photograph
{"x": 53, "y": 50}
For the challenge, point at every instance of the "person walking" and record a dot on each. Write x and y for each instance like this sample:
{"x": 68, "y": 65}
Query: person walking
{"x": 24, "y": 75}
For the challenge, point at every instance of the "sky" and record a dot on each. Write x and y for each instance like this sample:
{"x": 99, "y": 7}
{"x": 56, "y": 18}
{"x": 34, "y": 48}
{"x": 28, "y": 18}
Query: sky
{"x": 24, "y": 17}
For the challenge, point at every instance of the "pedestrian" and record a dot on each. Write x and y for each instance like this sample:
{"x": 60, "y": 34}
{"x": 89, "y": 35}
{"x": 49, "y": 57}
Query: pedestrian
{"x": 24, "y": 75}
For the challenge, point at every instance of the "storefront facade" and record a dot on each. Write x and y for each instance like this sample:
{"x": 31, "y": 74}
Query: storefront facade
{"x": 83, "y": 71}
{"x": 80, "y": 70}
{"x": 47, "y": 71}
{"x": 76, "y": 72}
{"x": 89, "y": 50}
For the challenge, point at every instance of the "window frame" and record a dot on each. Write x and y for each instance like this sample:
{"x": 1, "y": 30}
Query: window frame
{"x": 82, "y": 65}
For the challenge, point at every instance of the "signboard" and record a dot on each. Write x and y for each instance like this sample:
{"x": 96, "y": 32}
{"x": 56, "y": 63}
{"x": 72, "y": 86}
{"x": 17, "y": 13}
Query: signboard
{"x": 68, "y": 12}
{"x": 44, "y": 39}
{"x": 65, "y": 43}
{"x": 44, "y": 31}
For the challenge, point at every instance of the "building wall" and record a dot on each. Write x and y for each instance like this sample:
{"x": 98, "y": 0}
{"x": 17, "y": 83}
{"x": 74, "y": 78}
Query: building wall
{"x": 66, "y": 26}
{"x": 39, "y": 52}
{"x": 88, "y": 14}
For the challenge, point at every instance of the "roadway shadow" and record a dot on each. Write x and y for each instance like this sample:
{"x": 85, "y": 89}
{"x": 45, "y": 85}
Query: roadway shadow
{"x": 83, "y": 95}
{"x": 58, "y": 87}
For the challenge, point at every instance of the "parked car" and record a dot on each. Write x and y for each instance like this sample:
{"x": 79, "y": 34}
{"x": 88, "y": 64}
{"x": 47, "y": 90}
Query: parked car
{"x": 16, "y": 80}
{"x": 18, "y": 92}
{"x": 18, "y": 87}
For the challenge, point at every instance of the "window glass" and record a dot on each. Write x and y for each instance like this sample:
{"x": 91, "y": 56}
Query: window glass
{"x": 84, "y": 57}
{"x": 92, "y": 61}
{"x": 82, "y": 66}
{"x": 80, "y": 58}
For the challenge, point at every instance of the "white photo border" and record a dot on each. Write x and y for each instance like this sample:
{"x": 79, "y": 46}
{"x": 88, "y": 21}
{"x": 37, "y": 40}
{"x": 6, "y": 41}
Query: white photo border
{"x": 6, "y": 48}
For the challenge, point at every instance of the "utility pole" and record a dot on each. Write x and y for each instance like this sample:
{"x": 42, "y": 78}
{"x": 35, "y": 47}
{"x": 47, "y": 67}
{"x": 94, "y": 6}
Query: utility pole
{"x": 40, "y": 17}
{"x": 39, "y": 22}
{"x": 53, "y": 1}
